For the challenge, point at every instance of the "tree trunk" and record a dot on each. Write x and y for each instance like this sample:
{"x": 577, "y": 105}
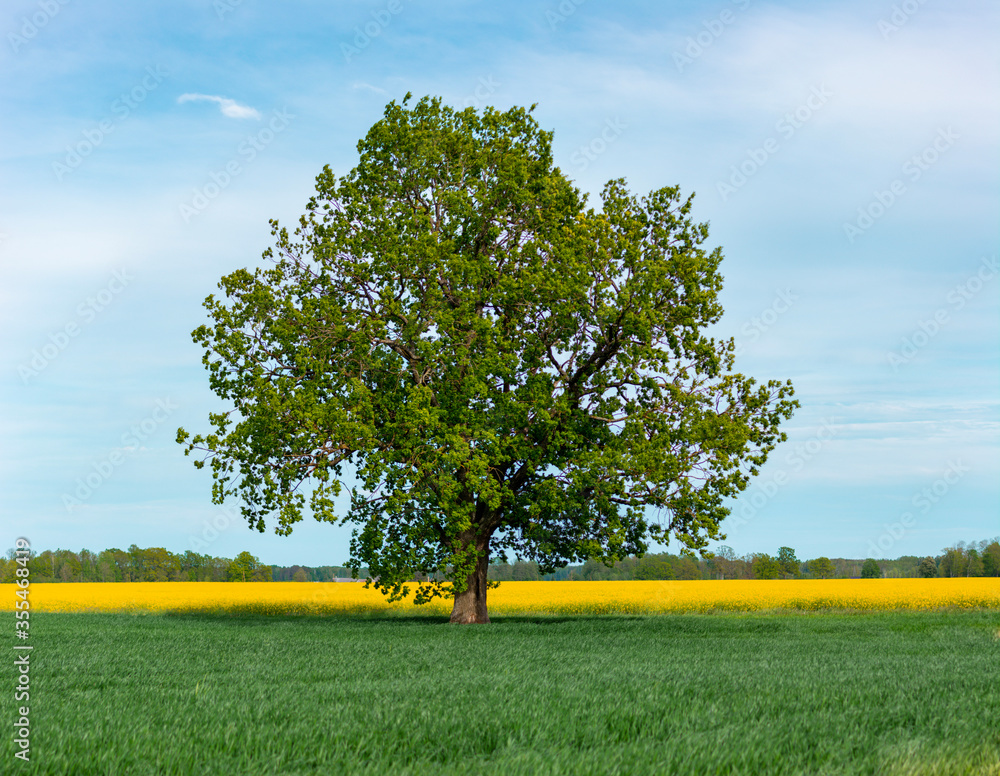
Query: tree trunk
{"x": 470, "y": 605}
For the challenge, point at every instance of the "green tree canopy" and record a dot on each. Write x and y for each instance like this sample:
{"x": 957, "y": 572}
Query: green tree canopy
{"x": 927, "y": 568}
{"x": 791, "y": 566}
{"x": 248, "y": 568}
{"x": 685, "y": 568}
{"x": 822, "y": 567}
{"x": 766, "y": 567}
{"x": 871, "y": 570}
{"x": 974, "y": 568}
{"x": 654, "y": 567}
{"x": 954, "y": 562}
{"x": 501, "y": 367}
{"x": 991, "y": 559}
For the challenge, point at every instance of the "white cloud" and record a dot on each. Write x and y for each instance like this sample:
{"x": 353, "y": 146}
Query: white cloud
{"x": 229, "y": 108}
{"x": 363, "y": 85}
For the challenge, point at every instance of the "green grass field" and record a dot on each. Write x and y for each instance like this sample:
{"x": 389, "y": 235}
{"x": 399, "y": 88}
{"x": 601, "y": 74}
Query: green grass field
{"x": 781, "y": 694}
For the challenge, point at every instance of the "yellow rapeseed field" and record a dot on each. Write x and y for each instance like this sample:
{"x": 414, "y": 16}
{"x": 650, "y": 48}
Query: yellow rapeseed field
{"x": 324, "y": 598}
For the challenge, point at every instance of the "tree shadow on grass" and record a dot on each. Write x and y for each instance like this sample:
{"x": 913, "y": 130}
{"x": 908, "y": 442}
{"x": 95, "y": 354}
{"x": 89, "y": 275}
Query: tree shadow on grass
{"x": 423, "y": 620}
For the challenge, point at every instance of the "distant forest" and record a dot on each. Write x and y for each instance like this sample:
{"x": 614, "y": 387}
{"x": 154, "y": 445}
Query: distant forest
{"x": 156, "y": 564}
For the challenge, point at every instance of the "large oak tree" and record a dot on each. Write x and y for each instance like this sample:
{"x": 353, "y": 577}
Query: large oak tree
{"x": 499, "y": 366}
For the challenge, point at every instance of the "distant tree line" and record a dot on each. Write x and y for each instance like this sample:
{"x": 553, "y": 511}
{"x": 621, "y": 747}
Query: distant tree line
{"x": 312, "y": 573}
{"x": 980, "y": 559}
{"x": 156, "y": 564}
{"x": 152, "y": 564}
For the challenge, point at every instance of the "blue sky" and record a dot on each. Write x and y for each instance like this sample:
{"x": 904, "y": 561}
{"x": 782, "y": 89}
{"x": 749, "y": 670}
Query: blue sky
{"x": 844, "y": 153}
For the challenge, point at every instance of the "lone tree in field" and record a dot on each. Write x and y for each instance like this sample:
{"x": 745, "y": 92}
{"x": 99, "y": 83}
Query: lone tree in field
{"x": 501, "y": 368}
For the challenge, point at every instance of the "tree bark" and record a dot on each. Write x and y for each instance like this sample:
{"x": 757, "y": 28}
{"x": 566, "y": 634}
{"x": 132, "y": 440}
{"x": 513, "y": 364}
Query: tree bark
{"x": 470, "y": 605}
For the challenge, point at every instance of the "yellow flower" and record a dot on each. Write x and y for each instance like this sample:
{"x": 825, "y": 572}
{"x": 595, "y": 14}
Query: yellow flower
{"x": 513, "y": 598}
